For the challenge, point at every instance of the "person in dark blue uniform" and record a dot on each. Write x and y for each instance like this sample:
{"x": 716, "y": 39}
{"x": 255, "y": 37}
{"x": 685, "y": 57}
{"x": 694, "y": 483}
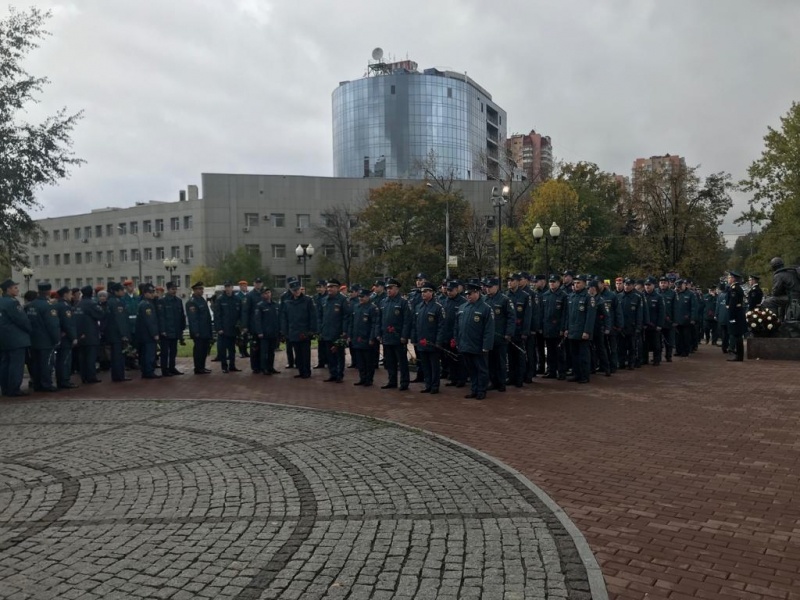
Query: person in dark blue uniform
{"x": 685, "y": 314}
{"x": 722, "y": 316}
{"x": 521, "y": 303}
{"x": 654, "y": 324}
{"x": 632, "y": 321}
{"x": 554, "y": 315}
{"x": 117, "y": 331}
{"x": 15, "y": 339}
{"x": 252, "y": 298}
{"x": 265, "y": 326}
{"x": 45, "y": 337}
{"x": 755, "y": 295}
{"x": 171, "y": 324}
{"x": 69, "y": 338}
{"x": 227, "y": 313}
{"x": 201, "y": 329}
{"x": 504, "y": 329}
{"x": 581, "y": 314}
{"x": 668, "y": 331}
{"x": 600, "y": 359}
{"x": 299, "y": 326}
{"x": 88, "y": 316}
{"x": 415, "y": 298}
{"x": 334, "y": 313}
{"x": 427, "y": 335}
{"x": 365, "y": 327}
{"x": 475, "y": 338}
{"x": 737, "y": 321}
{"x": 147, "y": 332}
{"x": 395, "y": 331}
{"x": 456, "y": 368}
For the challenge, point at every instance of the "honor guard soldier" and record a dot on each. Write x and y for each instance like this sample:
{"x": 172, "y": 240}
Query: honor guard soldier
{"x": 554, "y": 322}
{"x": 427, "y": 335}
{"x": 201, "y": 329}
{"x": 655, "y": 322}
{"x": 722, "y": 316}
{"x": 227, "y": 313}
{"x": 45, "y": 337}
{"x": 685, "y": 311}
{"x": 88, "y": 316}
{"x": 15, "y": 339}
{"x": 266, "y": 328}
{"x": 632, "y": 320}
{"x": 709, "y": 316}
{"x": 364, "y": 331}
{"x": 530, "y": 339}
{"x": 147, "y": 332}
{"x": 333, "y": 329}
{"x": 755, "y": 295}
{"x": 581, "y": 314}
{"x": 475, "y": 338}
{"x": 395, "y": 331}
{"x": 505, "y": 320}
{"x": 117, "y": 331}
{"x": 520, "y": 302}
{"x": 171, "y": 324}
{"x": 69, "y": 338}
{"x": 668, "y": 332}
{"x": 737, "y": 321}
{"x": 298, "y": 326}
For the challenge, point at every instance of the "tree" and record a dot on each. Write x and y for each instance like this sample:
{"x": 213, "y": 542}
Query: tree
{"x": 205, "y": 274}
{"x": 241, "y": 264}
{"x": 32, "y": 155}
{"x": 336, "y": 231}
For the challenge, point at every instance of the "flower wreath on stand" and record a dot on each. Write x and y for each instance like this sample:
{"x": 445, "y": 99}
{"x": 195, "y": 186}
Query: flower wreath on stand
{"x": 762, "y": 322}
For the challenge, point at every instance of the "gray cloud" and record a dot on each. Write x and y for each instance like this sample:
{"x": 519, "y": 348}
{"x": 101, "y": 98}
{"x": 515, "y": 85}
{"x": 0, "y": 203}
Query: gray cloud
{"x": 171, "y": 89}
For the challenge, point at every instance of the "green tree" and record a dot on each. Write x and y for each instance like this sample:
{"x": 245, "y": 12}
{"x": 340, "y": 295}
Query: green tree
{"x": 241, "y": 264}
{"x": 336, "y": 231}
{"x": 33, "y": 155}
{"x": 205, "y": 274}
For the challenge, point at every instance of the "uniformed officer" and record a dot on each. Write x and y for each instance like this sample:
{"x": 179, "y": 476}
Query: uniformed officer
{"x": 147, "y": 332}
{"x": 171, "y": 324}
{"x": 667, "y": 332}
{"x": 632, "y": 320}
{"x": 201, "y": 330}
{"x": 520, "y": 302}
{"x": 737, "y": 321}
{"x": 118, "y": 334}
{"x": 364, "y": 331}
{"x": 265, "y": 326}
{"x": 722, "y": 316}
{"x": 227, "y": 313}
{"x": 242, "y": 335}
{"x": 427, "y": 335}
{"x": 333, "y": 329}
{"x": 68, "y": 340}
{"x": 252, "y": 298}
{"x": 88, "y": 316}
{"x": 581, "y": 314}
{"x": 755, "y": 295}
{"x": 475, "y": 338}
{"x": 539, "y": 288}
{"x": 602, "y": 328}
{"x": 709, "y": 316}
{"x": 685, "y": 314}
{"x": 614, "y": 320}
{"x": 504, "y": 328}
{"x": 529, "y": 338}
{"x": 45, "y": 337}
{"x": 395, "y": 331}
{"x": 554, "y": 315}
{"x": 415, "y": 298}
{"x": 456, "y": 368}
{"x": 15, "y": 339}
{"x": 322, "y": 349}
{"x": 654, "y": 324}
{"x": 131, "y": 303}
{"x": 299, "y": 326}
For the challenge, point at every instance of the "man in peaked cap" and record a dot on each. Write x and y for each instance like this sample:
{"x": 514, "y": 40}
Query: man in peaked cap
{"x": 755, "y": 295}
{"x": 14, "y": 341}
{"x": 172, "y": 323}
{"x": 249, "y": 303}
{"x": 298, "y": 326}
{"x": 737, "y": 322}
{"x": 475, "y": 338}
{"x": 69, "y": 338}
{"x": 395, "y": 331}
{"x": 319, "y": 297}
{"x": 201, "y": 328}
{"x": 88, "y": 314}
{"x": 147, "y": 332}
{"x": 333, "y": 329}
{"x": 45, "y": 337}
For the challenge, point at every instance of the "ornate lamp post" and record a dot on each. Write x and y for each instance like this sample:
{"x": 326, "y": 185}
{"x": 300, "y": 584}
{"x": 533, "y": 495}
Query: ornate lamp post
{"x": 538, "y": 234}
{"x": 27, "y": 273}
{"x": 304, "y": 251}
{"x": 499, "y": 200}
{"x": 170, "y": 264}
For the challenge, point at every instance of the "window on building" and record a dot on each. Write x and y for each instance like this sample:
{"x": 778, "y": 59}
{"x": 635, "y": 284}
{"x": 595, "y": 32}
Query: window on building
{"x": 77, "y": 233}
{"x": 56, "y": 235}
{"x": 175, "y": 224}
{"x": 58, "y": 282}
{"x": 89, "y": 281}
{"x": 188, "y": 222}
{"x": 148, "y": 279}
{"x": 98, "y": 231}
{"x": 109, "y": 230}
{"x": 122, "y": 228}
{"x": 109, "y": 256}
{"x": 449, "y": 92}
{"x": 65, "y": 234}
{"x": 148, "y": 254}
{"x": 329, "y": 250}
{"x": 253, "y": 249}
{"x": 87, "y": 232}
{"x": 188, "y": 252}
{"x": 98, "y": 256}
{"x": 36, "y": 260}
{"x": 160, "y": 280}
{"x": 88, "y": 258}
{"x": 78, "y": 258}
{"x": 68, "y": 282}
{"x": 67, "y": 259}
{"x": 278, "y": 219}
{"x": 175, "y": 252}
{"x": 135, "y": 255}
{"x": 147, "y": 226}
{"x": 278, "y": 251}
{"x": 134, "y": 227}
{"x": 160, "y": 253}
{"x": 159, "y": 225}
{"x": 123, "y": 255}
{"x": 101, "y": 280}
{"x": 79, "y": 281}
{"x": 57, "y": 260}
{"x": 392, "y": 91}
{"x": 303, "y": 221}
{"x": 251, "y": 219}
{"x": 280, "y": 281}
{"x": 187, "y": 281}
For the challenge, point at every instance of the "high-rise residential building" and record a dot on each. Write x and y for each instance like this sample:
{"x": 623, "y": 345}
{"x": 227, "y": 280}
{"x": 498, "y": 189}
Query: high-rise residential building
{"x": 388, "y": 123}
{"x": 671, "y": 163}
{"x": 533, "y": 154}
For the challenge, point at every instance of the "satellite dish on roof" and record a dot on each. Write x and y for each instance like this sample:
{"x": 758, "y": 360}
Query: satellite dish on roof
{"x": 377, "y": 54}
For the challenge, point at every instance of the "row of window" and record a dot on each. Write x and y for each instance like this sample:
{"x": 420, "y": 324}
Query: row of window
{"x": 276, "y": 220}
{"x": 95, "y": 281}
{"x": 108, "y": 256}
{"x": 124, "y": 228}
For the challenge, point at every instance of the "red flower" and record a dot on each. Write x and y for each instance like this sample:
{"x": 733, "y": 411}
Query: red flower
{"x": 423, "y": 342}
{"x": 390, "y": 329}
{"x": 358, "y": 339}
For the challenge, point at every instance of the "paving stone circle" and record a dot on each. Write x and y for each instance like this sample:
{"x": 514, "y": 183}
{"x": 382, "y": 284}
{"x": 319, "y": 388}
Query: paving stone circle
{"x": 214, "y": 499}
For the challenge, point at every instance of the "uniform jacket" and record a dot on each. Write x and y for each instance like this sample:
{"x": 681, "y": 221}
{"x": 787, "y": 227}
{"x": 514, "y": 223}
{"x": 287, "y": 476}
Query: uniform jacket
{"x": 504, "y": 317}
{"x": 146, "y": 322}
{"x": 754, "y": 296}
{"x": 15, "y": 327}
{"x": 669, "y": 297}
{"x": 336, "y": 316}
{"x": 45, "y": 325}
{"x": 737, "y": 322}
{"x": 88, "y": 316}
{"x": 427, "y": 328}
{"x": 266, "y": 320}
{"x": 614, "y": 318}
{"x": 227, "y": 312}
{"x": 475, "y": 328}
{"x": 521, "y": 303}
{"x": 66, "y": 321}
{"x": 685, "y": 307}
{"x": 171, "y": 317}
{"x": 554, "y": 313}
{"x": 198, "y": 316}
{"x": 251, "y": 300}
{"x": 722, "y": 308}
{"x": 298, "y": 318}
{"x": 581, "y": 315}
{"x": 655, "y": 310}
{"x": 536, "y": 310}
{"x": 396, "y": 317}
{"x": 632, "y": 311}
{"x": 451, "y": 308}
{"x": 117, "y": 322}
{"x": 365, "y": 326}
{"x": 709, "y": 306}
{"x": 603, "y": 317}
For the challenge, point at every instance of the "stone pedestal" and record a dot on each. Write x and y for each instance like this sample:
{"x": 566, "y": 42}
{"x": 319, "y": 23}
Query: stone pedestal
{"x": 773, "y": 348}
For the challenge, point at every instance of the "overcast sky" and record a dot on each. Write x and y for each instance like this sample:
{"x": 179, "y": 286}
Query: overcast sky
{"x": 174, "y": 88}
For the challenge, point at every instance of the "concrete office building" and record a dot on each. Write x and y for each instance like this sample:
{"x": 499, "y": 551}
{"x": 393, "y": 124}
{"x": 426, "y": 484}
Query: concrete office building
{"x": 533, "y": 153}
{"x": 269, "y": 214}
{"x": 387, "y": 123}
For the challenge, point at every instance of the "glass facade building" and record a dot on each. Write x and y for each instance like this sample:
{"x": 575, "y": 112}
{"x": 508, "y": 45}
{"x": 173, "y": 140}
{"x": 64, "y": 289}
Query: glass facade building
{"x": 386, "y": 125}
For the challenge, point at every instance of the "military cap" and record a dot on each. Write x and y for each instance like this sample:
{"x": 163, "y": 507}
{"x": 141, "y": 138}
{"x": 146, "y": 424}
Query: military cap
{"x": 63, "y": 290}
{"x": 679, "y": 282}
{"x": 540, "y": 277}
{"x": 421, "y": 276}
{"x": 257, "y": 280}
{"x": 492, "y": 281}
{"x": 7, "y": 284}
{"x": 426, "y": 285}
{"x": 87, "y": 291}
{"x": 44, "y": 286}
{"x": 355, "y": 288}
{"x": 321, "y": 282}
{"x": 619, "y": 280}
{"x": 364, "y": 293}
{"x": 554, "y": 277}
{"x": 159, "y": 288}
{"x": 333, "y": 281}
{"x": 582, "y": 277}
{"x": 392, "y": 281}
{"x": 473, "y": 285}
{"x": 525, "y": 275}
{"x": 570, "y": 273}
{"x": 452, "y": 284}
{"x": 198, "y": 284}
{"x": 755, "y": 277}
{"x": 293, "y": 283}
{"x": 380, "y": 282}
{"x": 650, "y": 281}
{"x": 663, "y": 278}
{"x": 171, "y": 285}
{"x": 593, "y": 284}
{"x": 148, "y": 288}
{"x": 735, "y": 274}
{"x": 512, "y": 277}
{"x": 672, "y": 277}
{"x": 227, "y": 283}
{"x": 628, "y": 281}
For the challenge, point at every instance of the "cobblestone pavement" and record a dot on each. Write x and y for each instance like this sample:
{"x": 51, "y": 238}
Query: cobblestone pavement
{"x": 210, "y": 499}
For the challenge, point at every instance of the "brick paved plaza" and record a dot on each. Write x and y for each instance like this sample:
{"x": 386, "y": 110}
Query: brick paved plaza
{"x": 684, "y": 480}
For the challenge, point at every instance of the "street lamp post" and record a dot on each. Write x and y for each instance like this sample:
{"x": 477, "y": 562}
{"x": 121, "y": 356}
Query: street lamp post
{"x": 304, "y": 251}
{"x": 446, "y": 233}
{"x": 27, "y": 273}
{"x": 139, "y": 244}
{"x": 499, "y": 200}
{"x": 170, "y": 264}
{"x": 538, "y": 234}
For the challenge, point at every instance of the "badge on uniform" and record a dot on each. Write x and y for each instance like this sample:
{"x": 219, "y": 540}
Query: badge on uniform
{"x": 148, "y": 311}
{"x": 336, "y": 308}
{"x": 497, "y": 310}
{"x": 53, "y": 312}
{"x": 581, "y": 307}
{"x": 397, "y": 312}
{"x": 192, "y": 309}
{"x": 431, "y": 319}
{"x": 365, "y": 318}
{"x": 477, "y": 318}
{"x": 520, "y": 308}
{"x": 68, "y": 313}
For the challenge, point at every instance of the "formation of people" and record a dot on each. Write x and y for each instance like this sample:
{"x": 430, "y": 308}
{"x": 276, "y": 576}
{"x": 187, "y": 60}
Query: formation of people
{"x": 477, "y": 333}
